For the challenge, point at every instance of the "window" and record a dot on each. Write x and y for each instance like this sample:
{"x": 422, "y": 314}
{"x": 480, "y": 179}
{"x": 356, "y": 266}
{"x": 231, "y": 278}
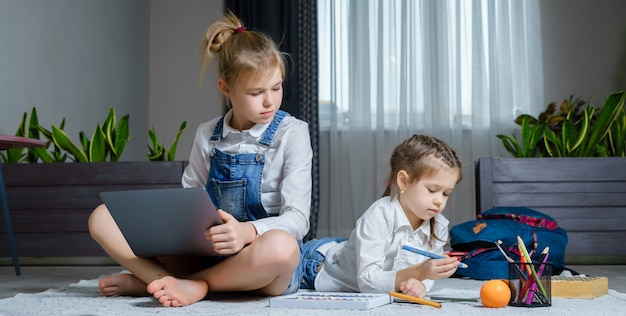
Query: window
{"x": 380, "y": 60}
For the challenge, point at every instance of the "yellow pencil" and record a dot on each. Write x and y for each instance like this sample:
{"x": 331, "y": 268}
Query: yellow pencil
{"x": 415, "y": 299}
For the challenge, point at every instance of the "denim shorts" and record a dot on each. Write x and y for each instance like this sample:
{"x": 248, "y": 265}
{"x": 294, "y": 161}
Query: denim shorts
{"x": 310, "y": 263}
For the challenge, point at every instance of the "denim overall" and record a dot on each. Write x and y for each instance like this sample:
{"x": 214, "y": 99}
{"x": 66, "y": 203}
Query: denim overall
{"x": 234, "y": 181}
{"x": 234, "y": 184}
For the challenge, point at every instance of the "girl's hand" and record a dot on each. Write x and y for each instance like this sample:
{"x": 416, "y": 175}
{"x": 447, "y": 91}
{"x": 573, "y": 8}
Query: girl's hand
{"x": 413, "y": 287}
{"x": 435, "y": 269}
{"x": 230, "y": 237}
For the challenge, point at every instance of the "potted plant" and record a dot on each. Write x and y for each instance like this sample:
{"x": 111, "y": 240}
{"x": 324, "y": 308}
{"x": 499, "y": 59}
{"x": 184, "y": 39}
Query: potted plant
{"x": 569, "y": 163}
{"x": 53, "y": 189}
{"x": 577, "y": 130}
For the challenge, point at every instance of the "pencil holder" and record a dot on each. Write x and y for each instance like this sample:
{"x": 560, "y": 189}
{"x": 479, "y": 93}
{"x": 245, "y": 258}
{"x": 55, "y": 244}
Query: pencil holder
{"x": 530, "y": 284}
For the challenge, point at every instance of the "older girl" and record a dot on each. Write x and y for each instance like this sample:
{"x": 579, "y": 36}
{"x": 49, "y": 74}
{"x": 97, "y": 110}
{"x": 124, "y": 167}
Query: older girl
{"x": 255, "y": 162}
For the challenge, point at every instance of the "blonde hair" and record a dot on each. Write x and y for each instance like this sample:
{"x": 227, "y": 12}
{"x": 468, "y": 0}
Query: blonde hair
{"x": 239, "y": 51}
{"x": 422, "y": 155}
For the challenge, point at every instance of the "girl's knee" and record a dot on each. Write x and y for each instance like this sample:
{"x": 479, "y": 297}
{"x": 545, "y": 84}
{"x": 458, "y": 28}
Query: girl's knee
{"x": 280, "y": 247}
{"x": 98, "y": 220}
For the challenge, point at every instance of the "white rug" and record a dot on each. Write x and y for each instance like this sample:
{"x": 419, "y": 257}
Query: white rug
{"x": 83, "y": 298}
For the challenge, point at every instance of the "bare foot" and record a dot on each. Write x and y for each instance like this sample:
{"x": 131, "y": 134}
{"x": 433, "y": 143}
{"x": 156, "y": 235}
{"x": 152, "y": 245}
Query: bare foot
{"x": 178, "y": 292}
{"x": 123, "y": 284}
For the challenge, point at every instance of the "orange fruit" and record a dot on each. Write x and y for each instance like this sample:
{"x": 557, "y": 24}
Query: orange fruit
{"x": 495, "y": 293}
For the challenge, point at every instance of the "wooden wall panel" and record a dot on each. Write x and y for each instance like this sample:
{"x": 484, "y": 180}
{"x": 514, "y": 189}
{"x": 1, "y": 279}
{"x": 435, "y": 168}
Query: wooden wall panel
{"x": 587, "y": 197}
{"x": 51, "y": 203}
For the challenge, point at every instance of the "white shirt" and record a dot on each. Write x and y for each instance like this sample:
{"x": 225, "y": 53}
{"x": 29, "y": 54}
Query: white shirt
{"x": 286, "y": 181}
{"x": 369, "y": 260}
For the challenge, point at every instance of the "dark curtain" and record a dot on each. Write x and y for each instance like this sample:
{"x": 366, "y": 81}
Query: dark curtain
{"x": 293, "y": 25}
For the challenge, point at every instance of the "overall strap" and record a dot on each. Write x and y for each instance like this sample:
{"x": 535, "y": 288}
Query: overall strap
{"x": 217, "y": 132}
{"x": 268, "y": 135}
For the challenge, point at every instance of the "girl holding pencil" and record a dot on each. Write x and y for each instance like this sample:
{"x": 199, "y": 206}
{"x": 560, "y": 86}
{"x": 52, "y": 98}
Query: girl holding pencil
{"x": 424, "y": 172}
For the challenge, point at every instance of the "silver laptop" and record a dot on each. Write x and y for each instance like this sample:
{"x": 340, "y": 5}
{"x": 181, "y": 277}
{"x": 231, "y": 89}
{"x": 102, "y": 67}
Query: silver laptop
{"x": 164, "y": 222}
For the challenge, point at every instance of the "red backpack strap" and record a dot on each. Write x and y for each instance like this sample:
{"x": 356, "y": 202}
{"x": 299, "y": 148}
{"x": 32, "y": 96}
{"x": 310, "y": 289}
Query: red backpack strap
{"x": 476, "y": 252}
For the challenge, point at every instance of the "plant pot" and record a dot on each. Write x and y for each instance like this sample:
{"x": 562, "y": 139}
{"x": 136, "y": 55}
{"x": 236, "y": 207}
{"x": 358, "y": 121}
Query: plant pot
{"x": 50, "y": 203}
{"x": 586, "y": 196}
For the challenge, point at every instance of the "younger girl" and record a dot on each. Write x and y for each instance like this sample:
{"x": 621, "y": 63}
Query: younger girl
{"x": 255, "y": 163}
{"x": 424, "y": 172}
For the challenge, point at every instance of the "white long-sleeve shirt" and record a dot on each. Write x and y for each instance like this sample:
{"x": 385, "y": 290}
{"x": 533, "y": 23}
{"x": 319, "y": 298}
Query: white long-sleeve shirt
{"x": 286, "y": 180}
{"x": 369, "y": 260}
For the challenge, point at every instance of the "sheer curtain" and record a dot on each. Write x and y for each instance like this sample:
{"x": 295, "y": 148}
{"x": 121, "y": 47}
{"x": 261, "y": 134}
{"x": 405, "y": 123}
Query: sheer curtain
{"x": 458, "y": 70}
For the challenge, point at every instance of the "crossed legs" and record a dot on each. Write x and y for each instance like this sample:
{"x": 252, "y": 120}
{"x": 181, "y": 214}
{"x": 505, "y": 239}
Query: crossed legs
{"x": 264, "y": 267}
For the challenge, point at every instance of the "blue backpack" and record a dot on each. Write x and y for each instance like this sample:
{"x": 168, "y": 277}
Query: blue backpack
{"x": 478, "y": 238}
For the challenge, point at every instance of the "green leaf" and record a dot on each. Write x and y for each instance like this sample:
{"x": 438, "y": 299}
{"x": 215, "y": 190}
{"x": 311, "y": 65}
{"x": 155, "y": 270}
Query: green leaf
{"x": 21, "y": 130}
{"x": 157, "y": 154}
{"x": 109, "y": 122}
{"x": 122, "y": 136}
{"x": 33, "y": 132}
{"x": 15, "y": 155}
{"x": 551, "y": 143}
{"x": 152, "y": 137}
{"x": 537, "y": 135}
{"x": 84, "y": 141}
{"x": 109, "y": 127}
{"x": 43, "y": 154}
{"x": 46, "y": 133}
{"x": 511, "y": 145}
{"x": 521, "y": 118}
{"x": 531, "y": 134}
{"x": 172, "y": 151}
{"x": 97, "y": 147}
{"x": 60, "y": 156}
{"x": 607, "y": 115}
{"x": 527, "y": 136}
{"x": 62, "y": 140}
{"x": 617, "y": 137}
{"x": 572, "y": 136}
{"x": 47, "y": 156}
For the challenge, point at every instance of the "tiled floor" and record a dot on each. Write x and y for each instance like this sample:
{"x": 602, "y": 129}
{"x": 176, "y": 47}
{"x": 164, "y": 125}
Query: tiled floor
{"x": 37, "y": 278}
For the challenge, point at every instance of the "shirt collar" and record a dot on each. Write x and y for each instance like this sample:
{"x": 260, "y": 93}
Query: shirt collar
{"x": 256, "y": 130}
{"x": 399, "y": 214}
{"x": 424, "y": 228}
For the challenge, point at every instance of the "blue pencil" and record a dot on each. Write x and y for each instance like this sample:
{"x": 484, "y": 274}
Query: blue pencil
{"x": 429, "y": 254}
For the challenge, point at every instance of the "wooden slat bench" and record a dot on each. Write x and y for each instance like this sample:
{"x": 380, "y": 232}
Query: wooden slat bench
{"x": 587, "y": 197}
{"x": 51, "y": 202}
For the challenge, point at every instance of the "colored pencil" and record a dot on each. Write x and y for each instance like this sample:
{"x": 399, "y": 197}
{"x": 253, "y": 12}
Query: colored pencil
{"x": 504, "y": 251}
{"x": 522, "y": 247}
{"x": 533, "y": 285}
{"x": 429, "y": 254}
{"x": 526, "y": 276}
{"x": 415, "y": 299}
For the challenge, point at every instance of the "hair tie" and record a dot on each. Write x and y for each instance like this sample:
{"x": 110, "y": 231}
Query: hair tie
{"x": 240, "y": 29}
